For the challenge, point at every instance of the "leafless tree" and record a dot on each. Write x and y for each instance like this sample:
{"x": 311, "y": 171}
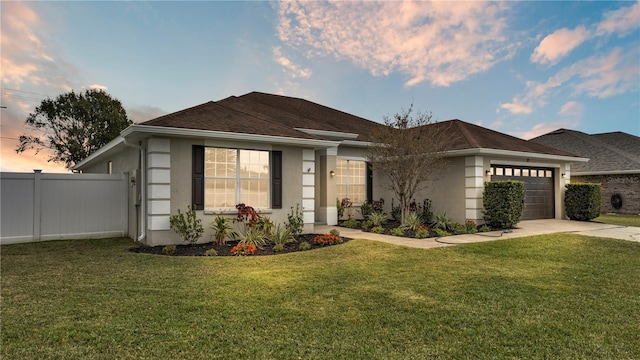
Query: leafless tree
{"x": 410, "y": 150}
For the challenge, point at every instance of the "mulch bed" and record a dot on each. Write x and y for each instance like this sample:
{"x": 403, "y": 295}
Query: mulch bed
{"x": 225, "y": 250}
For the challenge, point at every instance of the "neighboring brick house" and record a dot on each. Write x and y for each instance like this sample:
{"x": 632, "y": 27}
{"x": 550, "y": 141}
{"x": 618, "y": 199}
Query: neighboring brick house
{"x": 614, "y": 163}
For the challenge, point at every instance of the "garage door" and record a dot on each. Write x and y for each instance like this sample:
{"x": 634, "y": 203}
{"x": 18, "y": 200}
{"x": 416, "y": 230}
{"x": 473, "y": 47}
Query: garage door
{"x": 538, "y": 184}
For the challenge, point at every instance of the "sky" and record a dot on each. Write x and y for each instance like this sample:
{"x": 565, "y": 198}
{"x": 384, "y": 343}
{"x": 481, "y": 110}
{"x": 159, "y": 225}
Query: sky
{"x": 521, "y": 68}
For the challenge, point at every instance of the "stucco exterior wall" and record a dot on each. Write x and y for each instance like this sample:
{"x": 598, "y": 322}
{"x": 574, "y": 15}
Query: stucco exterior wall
{"x": 627, "y": 185}
{"x": 125, "y": 161}
{"x": 181, "y": 182}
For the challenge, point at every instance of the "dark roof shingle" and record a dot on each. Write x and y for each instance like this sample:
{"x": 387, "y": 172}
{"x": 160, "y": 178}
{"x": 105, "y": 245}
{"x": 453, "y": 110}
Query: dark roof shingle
{"x": 616, "y": 151}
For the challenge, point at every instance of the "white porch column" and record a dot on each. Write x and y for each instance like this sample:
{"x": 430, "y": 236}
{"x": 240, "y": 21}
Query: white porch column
{"x": 158, "y": 184}
{"x": 328, "y": 210}
{"x": 308, "y": 188}
{"x": 474, "y": 186}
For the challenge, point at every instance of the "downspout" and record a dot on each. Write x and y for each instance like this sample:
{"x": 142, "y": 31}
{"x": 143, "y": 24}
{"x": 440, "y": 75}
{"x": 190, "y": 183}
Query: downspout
{"x": 143, "y": 189}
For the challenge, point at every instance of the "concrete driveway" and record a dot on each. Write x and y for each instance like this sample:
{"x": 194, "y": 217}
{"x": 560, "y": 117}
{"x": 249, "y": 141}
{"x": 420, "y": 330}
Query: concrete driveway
{"x": 524, "y": 228}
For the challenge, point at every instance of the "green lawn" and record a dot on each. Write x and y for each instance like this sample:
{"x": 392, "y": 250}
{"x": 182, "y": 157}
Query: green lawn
{"x": 555, "y": 296}
{"x": 614, "y": 219}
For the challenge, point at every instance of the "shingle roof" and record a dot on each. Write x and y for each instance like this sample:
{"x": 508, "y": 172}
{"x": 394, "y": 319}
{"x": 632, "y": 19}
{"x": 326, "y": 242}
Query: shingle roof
{"x": 464, "y": 135}
{"x": 616, "y": 151}
{"x": 276, "y": 115}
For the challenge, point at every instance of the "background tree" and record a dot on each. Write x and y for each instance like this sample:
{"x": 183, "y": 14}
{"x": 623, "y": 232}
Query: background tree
{"x": 74, "y": 125}
{"x": 409, "y": 149}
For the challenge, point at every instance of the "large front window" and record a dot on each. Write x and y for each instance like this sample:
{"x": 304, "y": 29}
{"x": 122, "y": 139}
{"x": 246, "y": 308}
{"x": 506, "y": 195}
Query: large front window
{"x": 235, "y": 176}
{"x": 351, "y": 178}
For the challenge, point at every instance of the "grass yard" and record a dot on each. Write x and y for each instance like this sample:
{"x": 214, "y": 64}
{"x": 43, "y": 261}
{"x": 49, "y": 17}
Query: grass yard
{"x": 556, "y": 296}
{"x": 615, "y": 219}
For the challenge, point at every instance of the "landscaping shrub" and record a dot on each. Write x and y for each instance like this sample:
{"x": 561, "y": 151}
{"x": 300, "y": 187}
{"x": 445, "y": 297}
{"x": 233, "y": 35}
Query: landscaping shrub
{"x": 265, "y": 225}
{"x": 335, "y": 232}
{"x": 351, "y": 223}
{"x": 503, "y": 203}
{"x": 412, "y": 221}
{"x": 442, "y": 222}
{"x": 396, "y": 211}
{"x": 278, "y": 247}
{"x": 296, "y": 221}
{"x": 458, "y": 228}
{"x": 280, "y": 236}
{"x": 399, "y": 231}
{"x": 470, "y": 226}
{"x": 422, "y": 232}
{"x": 582, "y": 201}
{"x": 377, "y": 218}
{"x": 484, "y": 228}
{"x": 426, "y": 215}
{"x": 378, "y": 206}
{"x": 366, "y": 209}
{"x": 253, "y": 236}
{"x": 169, "y": 250}
{"x": 187, "y": 226}
{"x": 366, "y": 225}
{"x": 211, "y": 252}
{"x": 340, "y": 208}
{"x": 304, "y": 246}
{"x": 347, "y": 204}
{"x": 441, "y": 233}
{"x": 377, "y": 230}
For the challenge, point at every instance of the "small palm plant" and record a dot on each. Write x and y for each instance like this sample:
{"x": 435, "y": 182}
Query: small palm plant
{"x": 253, "y": 236}
{"x": 222, "y": 230}
{"x": 377, "y": 218}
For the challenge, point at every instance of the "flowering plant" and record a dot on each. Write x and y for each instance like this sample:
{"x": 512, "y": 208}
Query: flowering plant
{"x": 326, "y": 239}
{"x": 243, "y": 249}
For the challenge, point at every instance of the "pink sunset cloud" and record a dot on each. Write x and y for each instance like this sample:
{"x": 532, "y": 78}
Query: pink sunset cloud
{"x": 436, "y": 42}
{"x": 557, "y": 45}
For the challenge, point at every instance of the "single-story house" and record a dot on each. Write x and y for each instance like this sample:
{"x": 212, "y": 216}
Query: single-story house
{"x": 614, "y": 162}
{"x": 274, "y": 152}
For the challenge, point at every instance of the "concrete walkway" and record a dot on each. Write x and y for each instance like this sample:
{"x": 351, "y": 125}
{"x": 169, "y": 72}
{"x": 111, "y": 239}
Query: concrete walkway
{"x": 524, "y": 228}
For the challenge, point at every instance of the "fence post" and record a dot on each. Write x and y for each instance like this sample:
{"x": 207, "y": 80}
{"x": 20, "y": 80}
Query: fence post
{"x": 37, "y": 175}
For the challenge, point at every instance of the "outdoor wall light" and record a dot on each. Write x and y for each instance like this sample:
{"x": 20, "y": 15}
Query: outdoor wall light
{"x": 488, "y": 172}
{"x": 562, "y": 175}
{"x": 332, "y": 173}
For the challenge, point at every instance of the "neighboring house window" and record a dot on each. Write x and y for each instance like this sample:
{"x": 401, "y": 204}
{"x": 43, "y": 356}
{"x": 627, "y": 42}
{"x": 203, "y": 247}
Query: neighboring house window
{"x": 351, "y": 179}
{"x": 233, "y": 176}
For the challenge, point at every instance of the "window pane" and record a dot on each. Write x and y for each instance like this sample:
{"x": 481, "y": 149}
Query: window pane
{"x": 516, "y": 172}
{"x": 499, "y": 171}
{"x": 548, "y": 173}
{"x": 508, "y": 171}
{"x": 254, "y": 164}
{"x": 525, "y": 172}
{"x": 341, "y": 192}
{"x": 220, "y": 193}
{"x": 255, "y": 193}
{"x": 219, "y": 162}
{"x": 357, "y": 193}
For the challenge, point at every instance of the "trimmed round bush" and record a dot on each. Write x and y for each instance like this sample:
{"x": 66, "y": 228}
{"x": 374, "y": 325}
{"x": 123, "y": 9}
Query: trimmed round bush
{"x": 503, "y": 203}
{"x": 582, "y": 201}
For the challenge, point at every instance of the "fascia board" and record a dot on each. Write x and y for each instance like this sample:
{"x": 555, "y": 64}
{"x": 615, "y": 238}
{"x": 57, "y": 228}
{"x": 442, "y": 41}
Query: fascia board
{"x": 181, "y": 132}
{"x": 497, "y": 152}
{"x": 608, "y": 172}
{"x": 329, "y": 134}
{"x": 363, "y": 144}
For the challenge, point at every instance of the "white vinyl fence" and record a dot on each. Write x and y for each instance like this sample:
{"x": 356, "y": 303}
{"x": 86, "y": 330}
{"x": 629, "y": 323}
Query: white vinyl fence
{"x": 37, "y": 206}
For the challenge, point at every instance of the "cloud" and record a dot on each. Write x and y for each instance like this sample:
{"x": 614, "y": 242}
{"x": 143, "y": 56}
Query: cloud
{"x": 98, "y": 87}
{"x": 517, "y": 107}
{"x": 572, "y": 108}
{"x": 620, "y": 21}
{"x": 139, "y": 114}
{"x": 289, "y": 67}
{"x": 543, "y": 128}
{"x": 598, "y": 76}
{"x": 558, "y": 44}
{"x": 438, "y": 42}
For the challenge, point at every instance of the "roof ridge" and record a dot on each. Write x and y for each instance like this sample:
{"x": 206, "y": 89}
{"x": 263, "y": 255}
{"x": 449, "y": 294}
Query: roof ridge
{"x": 594, "y": 141}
